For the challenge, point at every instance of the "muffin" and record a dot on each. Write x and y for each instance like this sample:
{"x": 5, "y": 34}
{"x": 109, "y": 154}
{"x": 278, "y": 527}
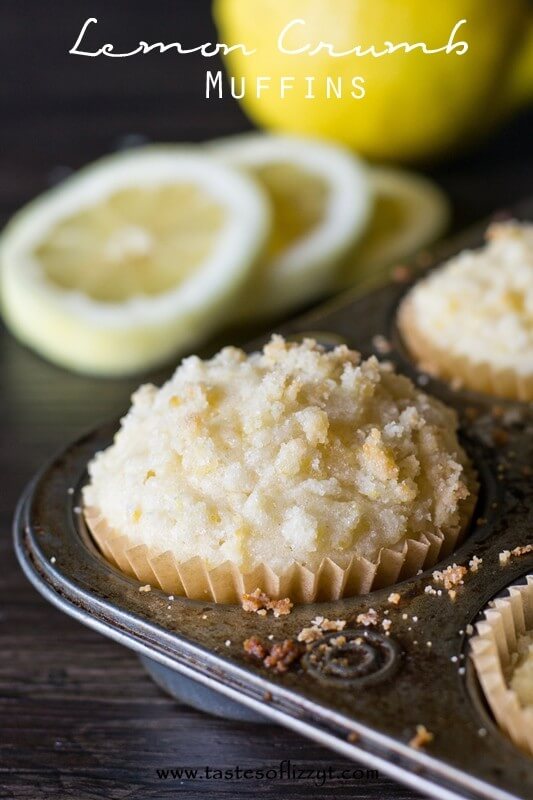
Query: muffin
{"x": 471, "y": 321}
{"x": 304, "y": 472}
{"x": 502, "y": 652}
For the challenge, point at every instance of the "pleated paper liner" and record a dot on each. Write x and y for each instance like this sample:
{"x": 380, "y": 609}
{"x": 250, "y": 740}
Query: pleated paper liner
{"x": 477, "y": 376}
{"x": 226, "y": 583}
{"x": 492, "y": 652}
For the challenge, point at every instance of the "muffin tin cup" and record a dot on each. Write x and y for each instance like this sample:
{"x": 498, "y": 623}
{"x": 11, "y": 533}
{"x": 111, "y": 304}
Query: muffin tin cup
{"x": 492, "y": 652}
{"x": 227, "y": 584}
{"x": 428, "y": 678}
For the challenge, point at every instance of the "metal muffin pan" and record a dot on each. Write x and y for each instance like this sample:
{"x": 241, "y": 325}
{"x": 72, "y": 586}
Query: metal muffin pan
{"x": 367, "y": 707}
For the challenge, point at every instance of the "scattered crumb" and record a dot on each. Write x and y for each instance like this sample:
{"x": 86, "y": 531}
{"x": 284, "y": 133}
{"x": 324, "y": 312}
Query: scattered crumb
{"x": 429, "y": 644}
{"x": 368, "y": 618}
{"x": 204, "y": 616}
{"x": 404, "y": 616}
{"x": 401, "y": 274}
{"x": 353, "y": 737}
{"x": 415, "y": 619}
{"x": 475, "y": 563}
{"x": 461, "y": 670}
{"x": 70, "y": 490}
{"x": 386, "y": 624}
{"x": 169, "y": 607}
{"x": 171, "y": 597}
{"x": 318, "y": 626}
{"x": 451, "y": 576}
{"x": 259, "y": 603}
{"x": 421, "y": 738}
{"x": 146, "y": 588}
{"x": 394, "y": 598}
{"x": 338, "y": 641}
{"x": 227, "y": 642}
{"x": 381, "y": 344}
{"x": 454, "y": 659}
{"x": 470, "y": 629}
{"x": 482, "y": 732}
{"x": 77, "y": 510}
{"x": 504, "y": 557}
{"x": 278, "y": 657}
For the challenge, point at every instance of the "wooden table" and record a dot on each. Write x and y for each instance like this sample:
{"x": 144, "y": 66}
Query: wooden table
{"x": 79, "y": 718}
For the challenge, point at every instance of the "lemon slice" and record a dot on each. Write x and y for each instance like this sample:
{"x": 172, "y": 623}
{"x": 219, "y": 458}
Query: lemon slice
{"x": 320, "y": 200}
{"x": 410, "y": 212}
{"x": 132, "y": 259}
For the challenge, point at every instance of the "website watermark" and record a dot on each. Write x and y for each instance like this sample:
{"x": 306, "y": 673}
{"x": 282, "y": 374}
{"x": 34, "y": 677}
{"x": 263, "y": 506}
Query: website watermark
{"x": 286, "y": 771}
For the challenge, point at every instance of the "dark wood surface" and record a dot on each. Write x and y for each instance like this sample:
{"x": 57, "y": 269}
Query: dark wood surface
{"x": 79, "y": 718}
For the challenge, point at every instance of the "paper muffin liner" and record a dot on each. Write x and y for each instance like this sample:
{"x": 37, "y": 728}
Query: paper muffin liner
{"x": 492, "y": 651}
{"x": 227, "y": 583}
{"x": 475, "y": 375}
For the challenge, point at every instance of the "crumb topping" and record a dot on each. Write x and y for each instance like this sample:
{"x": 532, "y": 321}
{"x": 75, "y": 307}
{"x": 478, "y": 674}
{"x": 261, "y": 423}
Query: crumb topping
{"x": 288, "y": 455}
{"x": 487, "y": 294}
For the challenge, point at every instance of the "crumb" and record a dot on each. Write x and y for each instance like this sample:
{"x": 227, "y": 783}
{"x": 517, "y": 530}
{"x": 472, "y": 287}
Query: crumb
{"x": 482, "y": 732}
{"x": 146, "y": 588}
{"x": 259, "y": 603}
{"x": 461, "y": 670}
{"x": 415, "y": 619}
{"x": 338, "y": 641}
{"x": 475, "y": 563}
{"x": 401, "y": 274}
{"x": 500, "y": 437}
{"x": 171, "y": 597}
{"x": 386, "y": 624}
{"x": 270, "y": 636}
{"x": 70, "y": 490}
{"x": 204, "y": 616}
{"x": 454, "y": 659}
{"x": 522, "y": 550}
{"x": 169, "y": 607}
{"x": 353, "y": 737}
{"x": 504, "y": 557}
{"x": 282, "y": 655}
{"x": 318, "y": 626}
{"x": 429, "y": 644}
{"x": 421, "y": 738}
{"x": 368, "y": 618}
{"x": 53, "y": 560}
{"x": 394, "y": 598}
{"x": 227, "y": 642}
{"x": 470, "y": 629}
{"x": 404, "y": 616}
{"x": 451, "y": 577}
{"x": 430, "y": 590}
{"x": 381, "y": 344}
{"x": 77, "y": 510}
{"x": 254, "y": 647}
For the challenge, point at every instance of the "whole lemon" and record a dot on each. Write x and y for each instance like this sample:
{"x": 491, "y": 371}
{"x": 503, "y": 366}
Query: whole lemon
{"x": 389, "y": 101}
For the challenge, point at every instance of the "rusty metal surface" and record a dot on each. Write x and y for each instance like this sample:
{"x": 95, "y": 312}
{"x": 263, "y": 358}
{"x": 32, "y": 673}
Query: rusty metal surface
{"x": 413, "y": 682}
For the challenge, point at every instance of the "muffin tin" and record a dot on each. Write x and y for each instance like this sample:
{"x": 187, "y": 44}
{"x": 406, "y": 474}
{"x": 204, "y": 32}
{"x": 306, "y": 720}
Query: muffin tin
{"x": 363, "y": 697}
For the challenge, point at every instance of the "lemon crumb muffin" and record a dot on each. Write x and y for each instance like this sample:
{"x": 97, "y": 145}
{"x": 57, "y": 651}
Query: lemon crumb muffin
{"x": 294, "y": 455}
{"x": 472, "y": 320}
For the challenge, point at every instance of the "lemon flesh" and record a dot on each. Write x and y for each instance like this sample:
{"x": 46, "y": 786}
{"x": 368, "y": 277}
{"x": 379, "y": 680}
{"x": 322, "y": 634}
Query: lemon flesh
{"x": 320, "y": 199}
{"x": 135, "y": 242}
{"x": 131, "y": 260}
{"x": 410, "y": 212}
